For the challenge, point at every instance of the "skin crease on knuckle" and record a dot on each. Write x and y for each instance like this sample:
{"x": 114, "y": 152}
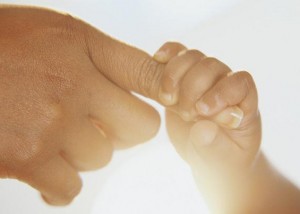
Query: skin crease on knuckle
{"x": 147, "y": 82}
{"x": 148, "y": 86}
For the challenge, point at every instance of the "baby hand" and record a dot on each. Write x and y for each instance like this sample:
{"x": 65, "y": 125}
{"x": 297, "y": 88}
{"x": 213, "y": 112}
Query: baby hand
{"x": 212, "y": 113}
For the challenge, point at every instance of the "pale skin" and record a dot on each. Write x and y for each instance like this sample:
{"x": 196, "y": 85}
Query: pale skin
{"x": 214, "y": 123}
{"x": 66, "y": 105}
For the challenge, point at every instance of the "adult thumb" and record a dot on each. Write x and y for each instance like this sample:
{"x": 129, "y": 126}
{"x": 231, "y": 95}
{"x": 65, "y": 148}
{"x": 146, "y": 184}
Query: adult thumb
{"x": 126, "y": 66}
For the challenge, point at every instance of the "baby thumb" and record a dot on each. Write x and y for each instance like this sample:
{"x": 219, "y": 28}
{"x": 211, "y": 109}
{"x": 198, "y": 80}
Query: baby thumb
{"x": 209, "y": 148}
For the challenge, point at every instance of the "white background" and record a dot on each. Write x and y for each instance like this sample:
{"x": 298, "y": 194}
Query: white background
{"x": 261, "y": 36}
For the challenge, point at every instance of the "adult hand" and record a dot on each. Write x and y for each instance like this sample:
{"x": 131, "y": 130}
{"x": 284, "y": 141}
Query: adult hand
{"x": 65, "y": 100}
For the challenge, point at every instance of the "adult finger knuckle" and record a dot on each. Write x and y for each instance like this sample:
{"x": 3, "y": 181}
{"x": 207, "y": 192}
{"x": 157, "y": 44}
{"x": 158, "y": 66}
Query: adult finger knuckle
{"x": 68, "y": 27}
{"x": 148, "y": 77}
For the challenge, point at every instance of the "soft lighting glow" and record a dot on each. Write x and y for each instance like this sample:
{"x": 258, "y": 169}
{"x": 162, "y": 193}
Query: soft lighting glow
{"x": 262, "y": 37}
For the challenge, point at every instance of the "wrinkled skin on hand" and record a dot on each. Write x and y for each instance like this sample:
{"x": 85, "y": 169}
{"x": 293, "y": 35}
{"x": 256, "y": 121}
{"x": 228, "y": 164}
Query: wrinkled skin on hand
{"x": 65, "y": 100}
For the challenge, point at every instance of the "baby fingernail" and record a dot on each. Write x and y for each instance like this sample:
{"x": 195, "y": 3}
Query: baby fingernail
{"x": 161, "y": 56}
{"x": 231, "y": 117}
{"x": 167, "y": 98}
{"x": 202, "y": 108}
{"x": 237, "y": 117}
